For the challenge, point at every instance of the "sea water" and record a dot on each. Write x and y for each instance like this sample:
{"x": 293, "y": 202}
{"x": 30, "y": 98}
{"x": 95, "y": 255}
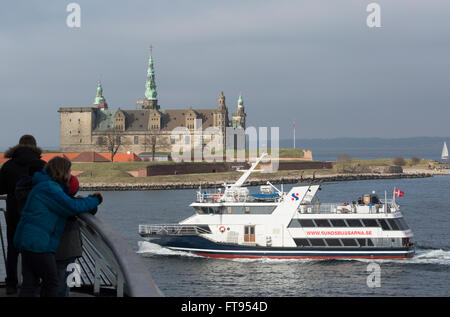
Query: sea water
{"x": 426, "y": 208}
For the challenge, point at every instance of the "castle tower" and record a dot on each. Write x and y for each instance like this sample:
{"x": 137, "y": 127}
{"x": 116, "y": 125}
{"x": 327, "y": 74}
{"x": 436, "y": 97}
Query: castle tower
{"x": 151, "y": 96}
{"x": 238, "y": 118}
{"x": 99, "y": 101}
{"x": 222, "y": 106}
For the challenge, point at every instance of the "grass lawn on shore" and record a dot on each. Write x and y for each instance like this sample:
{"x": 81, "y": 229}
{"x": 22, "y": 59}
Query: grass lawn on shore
{"x": 107, "y": 172}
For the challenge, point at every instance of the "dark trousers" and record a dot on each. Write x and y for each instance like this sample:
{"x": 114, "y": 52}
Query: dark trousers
{"x": 37, "y": 266}
{"x": 61, "y": 266}
{"x": 12, "y": 255}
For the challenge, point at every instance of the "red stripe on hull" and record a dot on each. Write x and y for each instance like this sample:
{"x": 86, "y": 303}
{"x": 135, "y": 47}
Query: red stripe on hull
{"x": 234, "y": 256}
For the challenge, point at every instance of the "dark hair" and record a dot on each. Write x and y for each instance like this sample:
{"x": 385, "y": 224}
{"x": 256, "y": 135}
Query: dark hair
{"x": 57, "y": 168}
{"x": 27, "y": 140}
{"x": 35, "y": 166}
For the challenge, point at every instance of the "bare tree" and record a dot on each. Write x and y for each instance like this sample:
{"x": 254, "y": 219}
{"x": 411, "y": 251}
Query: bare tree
{"x": 343, "y": 163}
{"x": 415, "y": 160}
{"x": 153, "y": 147}
{"x": 399, "y": 161}
{"x": 113, "y": 142}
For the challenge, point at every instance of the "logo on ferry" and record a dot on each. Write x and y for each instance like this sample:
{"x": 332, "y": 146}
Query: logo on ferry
{"x": 294, "y": 197}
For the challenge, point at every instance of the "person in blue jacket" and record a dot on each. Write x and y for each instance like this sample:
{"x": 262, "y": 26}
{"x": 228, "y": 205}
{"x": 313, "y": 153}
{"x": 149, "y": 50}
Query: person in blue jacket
{"x": 42, "y": 223}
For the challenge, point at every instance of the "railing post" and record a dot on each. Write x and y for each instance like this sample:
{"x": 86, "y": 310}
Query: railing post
{"x": 119, "y": 284}
{"x": 97, "y": 277}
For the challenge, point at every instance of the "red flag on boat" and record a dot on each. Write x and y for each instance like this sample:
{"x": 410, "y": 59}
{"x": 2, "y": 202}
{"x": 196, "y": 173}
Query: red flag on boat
{"x": 398, "y": 192}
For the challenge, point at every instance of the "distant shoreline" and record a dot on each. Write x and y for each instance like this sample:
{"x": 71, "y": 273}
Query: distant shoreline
{"x": 273, "y": 180}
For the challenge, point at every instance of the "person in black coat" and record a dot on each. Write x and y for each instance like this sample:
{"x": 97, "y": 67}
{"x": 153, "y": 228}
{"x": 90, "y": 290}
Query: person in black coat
{"x": 21, "y": 157}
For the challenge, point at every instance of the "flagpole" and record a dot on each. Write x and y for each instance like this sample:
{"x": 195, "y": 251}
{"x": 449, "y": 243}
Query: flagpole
{"x": 385, "y": 201}
{"x": 294, "y": 133}
{"x": 393, "y": 196}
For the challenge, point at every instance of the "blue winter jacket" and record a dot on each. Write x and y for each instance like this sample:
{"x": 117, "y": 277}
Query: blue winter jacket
{"x": 44, "y": 215}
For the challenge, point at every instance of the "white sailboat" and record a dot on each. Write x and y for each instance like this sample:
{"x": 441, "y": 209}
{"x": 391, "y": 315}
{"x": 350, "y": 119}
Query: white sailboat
{"x": 444, "y": 155}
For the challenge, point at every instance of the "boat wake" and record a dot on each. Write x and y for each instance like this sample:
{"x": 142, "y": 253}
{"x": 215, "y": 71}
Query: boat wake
{"x": 146, "y": 248}
{"x": 422, "y": 256}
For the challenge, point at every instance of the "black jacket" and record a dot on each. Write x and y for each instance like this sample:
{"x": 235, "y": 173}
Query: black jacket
{"x": 21, "y": 158}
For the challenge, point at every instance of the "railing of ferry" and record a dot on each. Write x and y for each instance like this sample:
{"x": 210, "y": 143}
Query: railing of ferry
{"x": 172, "y": 229}
{"x": 108, "y": 261}
{"x": 108, "y": 266}
{"x": 2, "y": 244}
{"x": 333, "y": 208}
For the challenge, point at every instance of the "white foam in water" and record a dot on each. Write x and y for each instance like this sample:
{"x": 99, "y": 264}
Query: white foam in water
{"x": 427, "y": 256}
{"x": 422, "y": 256}
{"x": 146, "y": 247}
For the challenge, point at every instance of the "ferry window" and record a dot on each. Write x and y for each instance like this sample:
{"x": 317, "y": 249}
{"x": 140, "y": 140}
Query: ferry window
{"x": 307, "y": 223}
{"x": 229, "y": 210}
{"x": 262, "y": 209}
{"x": 365, "y": 242}
{"x": 354, "y": 223}
{"x": 209, "y": 210}
{"x": 362, "y": 242}
{"x": 370, "y": 222}
{"x": 294, "y": 224}
{"x": 338, "y": 222}
{"x": 302, "y": 242}
{"x": 383, "y": 224}
{"x": 199, "y": 210}
{"x": 317, "y": 242}
{"x": 393, "y": 224}
{"x": 333, "y": 242}
{"x": 402, "y": 224}
{"x": 349, "y": 242}
{"x": 247, "y": 210}
{"x": 322, "y": 223}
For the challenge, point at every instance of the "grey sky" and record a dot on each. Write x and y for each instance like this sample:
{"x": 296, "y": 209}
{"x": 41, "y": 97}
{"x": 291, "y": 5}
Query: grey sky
{"x": 313, "y": 61}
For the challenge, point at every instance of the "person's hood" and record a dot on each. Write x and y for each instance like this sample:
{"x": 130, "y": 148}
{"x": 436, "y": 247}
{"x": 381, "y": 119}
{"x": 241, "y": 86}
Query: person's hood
{"x": 42, "y": 176}
{"x": 23, "y": 154}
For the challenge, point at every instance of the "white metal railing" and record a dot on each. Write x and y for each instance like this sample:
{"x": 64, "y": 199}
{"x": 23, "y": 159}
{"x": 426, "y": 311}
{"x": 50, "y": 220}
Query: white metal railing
{"x": 108, "y": 261}
{"x": 335, "y": 208}
{"x": 208, "y": 197}
{"x": 108, "y": 265}
{"x": 172, "y": 229}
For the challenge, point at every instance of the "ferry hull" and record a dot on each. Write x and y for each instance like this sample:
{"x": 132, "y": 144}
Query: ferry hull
{"x": 204, "y": 247}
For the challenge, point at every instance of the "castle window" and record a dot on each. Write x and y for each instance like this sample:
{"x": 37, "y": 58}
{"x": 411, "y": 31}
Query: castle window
{"x": 136, "y": 139}
{"x": 172, "y": 139}
{"x": 187, "y": 139}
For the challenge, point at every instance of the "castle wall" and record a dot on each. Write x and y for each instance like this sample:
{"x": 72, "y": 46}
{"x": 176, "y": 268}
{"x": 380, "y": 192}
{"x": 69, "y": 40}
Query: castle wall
{"x": 75, "y": 129}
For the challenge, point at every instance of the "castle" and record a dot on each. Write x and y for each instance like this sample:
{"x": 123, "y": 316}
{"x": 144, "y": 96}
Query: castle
{"x": 148, "y": 129}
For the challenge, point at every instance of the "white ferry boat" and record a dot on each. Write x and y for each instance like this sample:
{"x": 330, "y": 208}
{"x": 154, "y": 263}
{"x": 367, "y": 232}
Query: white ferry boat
{"x": 275, "y": 224}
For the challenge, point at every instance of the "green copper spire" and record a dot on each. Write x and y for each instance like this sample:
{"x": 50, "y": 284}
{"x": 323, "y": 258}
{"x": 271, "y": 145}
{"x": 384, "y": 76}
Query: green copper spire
{"x": 99, "y": 97}
{"x": 150, "y": 84}
{"x": 240, "y": 101}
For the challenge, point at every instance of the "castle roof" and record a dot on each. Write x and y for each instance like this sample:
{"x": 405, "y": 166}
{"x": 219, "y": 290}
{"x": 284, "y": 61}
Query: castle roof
{"x": 122, "y": 157}
{"x": 90, "y": 156}
{"x": 138, "y": 120}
